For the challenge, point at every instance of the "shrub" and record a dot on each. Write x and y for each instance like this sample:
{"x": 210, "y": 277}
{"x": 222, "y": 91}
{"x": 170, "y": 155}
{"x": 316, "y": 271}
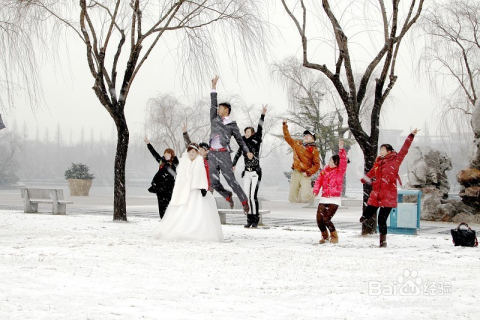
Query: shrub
{"x": 78, "y": 171}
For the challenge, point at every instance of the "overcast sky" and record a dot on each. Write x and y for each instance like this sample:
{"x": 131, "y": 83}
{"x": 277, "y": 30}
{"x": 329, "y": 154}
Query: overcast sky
{"x": 71, "y": 102}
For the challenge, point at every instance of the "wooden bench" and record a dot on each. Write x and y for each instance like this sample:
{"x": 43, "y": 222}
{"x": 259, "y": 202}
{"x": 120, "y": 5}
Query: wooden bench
{"x": 33, "y": 196}
{"x": 223, "y": 207}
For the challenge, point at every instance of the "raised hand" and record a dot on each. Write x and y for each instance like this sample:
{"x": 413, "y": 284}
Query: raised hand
{"x": 341, "y": 143}
{"x": 184, "y": 128}
{"x": 214, "y": 82}
{"x": 146, "y": 140}
{"x": 414, "y": 132}
{"x": 284, "y": 121}
{"x": 264, "y": 109}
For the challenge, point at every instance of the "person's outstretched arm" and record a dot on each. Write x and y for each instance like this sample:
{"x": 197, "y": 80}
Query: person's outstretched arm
{"x": 186, "y": 137}
{"x": 260, "y": 123}
{"x": 213, "y": 99}
{"x": 153, "y": 151}
{"x": 406, "y": 145}
{"x": 342, "y": 166}
{"x": 286, "y": 134}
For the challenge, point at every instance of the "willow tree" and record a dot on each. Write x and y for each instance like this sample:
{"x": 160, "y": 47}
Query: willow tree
{"x": 451, "y": 30}
{"x": 119, "y": 36}
{"x": 19, "y": 56}
{"x": 384, "y": 24}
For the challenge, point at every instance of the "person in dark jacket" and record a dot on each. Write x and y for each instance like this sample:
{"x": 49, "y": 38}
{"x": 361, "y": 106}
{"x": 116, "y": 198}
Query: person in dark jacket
{"x": 219, "y": 160}
{"x": 252, "y": 174}
{"x": 383, "y": 177}
{"x": 164, "y": 180}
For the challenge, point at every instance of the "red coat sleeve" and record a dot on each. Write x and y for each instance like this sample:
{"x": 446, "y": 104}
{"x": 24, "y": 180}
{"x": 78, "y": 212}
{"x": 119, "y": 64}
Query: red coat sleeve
{"x": 370, "y": 174}
{"x": 342, "y": 167}
{"x": 406, "y": 145}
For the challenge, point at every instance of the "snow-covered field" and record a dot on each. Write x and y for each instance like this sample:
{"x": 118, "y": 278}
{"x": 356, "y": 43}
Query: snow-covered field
{"x": 88, "y": 267}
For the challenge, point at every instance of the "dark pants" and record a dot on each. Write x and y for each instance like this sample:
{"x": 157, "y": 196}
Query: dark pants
{"x": 382, "y": 217}
{"x": 163, "y": 201}
{"x": 325, "y": 213}
{"x": 221, "y": 161}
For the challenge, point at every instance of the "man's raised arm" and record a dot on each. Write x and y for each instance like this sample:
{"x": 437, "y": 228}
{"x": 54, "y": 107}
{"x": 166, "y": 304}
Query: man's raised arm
{"x": 213, "y": 99}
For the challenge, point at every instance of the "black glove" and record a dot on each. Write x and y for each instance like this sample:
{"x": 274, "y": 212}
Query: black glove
{"x": 204, "y": 192}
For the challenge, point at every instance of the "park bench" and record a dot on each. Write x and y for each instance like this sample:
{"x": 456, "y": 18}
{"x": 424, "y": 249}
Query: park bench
{"x": 223, "y": 207}
{"x": 33, "y": 196}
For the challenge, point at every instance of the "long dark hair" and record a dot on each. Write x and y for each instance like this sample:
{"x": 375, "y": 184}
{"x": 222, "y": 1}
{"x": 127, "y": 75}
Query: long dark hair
{"x": 336, "y": 160}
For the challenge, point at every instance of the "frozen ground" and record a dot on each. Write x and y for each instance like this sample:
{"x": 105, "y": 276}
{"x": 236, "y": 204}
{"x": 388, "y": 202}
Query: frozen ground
{"x": 88, "y": 267}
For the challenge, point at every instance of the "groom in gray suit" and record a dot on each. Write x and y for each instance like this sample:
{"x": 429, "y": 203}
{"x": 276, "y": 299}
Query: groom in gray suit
{"x": 223, "y": 128}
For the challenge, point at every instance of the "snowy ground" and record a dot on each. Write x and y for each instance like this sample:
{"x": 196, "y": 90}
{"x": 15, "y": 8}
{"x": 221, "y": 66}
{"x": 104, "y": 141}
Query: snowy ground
{"x": 88, "y": 267}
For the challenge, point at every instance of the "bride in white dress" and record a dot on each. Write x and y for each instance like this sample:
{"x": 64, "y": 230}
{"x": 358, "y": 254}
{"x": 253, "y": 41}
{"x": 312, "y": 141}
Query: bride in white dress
{"x": 192, "y": 213}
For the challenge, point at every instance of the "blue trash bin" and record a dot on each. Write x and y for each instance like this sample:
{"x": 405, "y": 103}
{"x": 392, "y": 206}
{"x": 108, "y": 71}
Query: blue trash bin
{"x": 405, "y": 218}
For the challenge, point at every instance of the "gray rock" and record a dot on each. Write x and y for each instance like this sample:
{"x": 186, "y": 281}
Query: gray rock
{"x": 427, "y": 168}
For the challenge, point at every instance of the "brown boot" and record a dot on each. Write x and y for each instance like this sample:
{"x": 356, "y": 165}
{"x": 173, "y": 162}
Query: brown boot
{"x": 324, "y": 237}
{"x": 334, "y": 237}
{"x": 383, "y": 241}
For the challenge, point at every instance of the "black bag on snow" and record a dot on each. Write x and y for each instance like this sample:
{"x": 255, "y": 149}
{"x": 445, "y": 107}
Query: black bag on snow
{"x": 464, "y": 237}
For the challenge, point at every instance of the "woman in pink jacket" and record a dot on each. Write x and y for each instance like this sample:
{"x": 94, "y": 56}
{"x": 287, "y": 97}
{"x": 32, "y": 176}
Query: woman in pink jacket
{"x": 330, "y": 181}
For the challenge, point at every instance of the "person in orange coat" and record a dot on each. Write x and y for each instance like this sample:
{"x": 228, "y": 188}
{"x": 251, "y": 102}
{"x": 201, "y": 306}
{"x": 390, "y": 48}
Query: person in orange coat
{"x": 306, "y": 162}
{"x": 383, "y": 177}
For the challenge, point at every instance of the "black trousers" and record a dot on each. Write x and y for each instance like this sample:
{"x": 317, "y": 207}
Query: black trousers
{"x": 163, "y": 201}
{"x": 382, "y": 216}
{"x": 220, "y": 161}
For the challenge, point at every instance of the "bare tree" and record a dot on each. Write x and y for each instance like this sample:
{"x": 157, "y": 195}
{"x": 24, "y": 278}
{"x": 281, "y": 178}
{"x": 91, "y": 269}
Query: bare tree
{"x": 249, "y": 116}
{"x": 451, "y": 55}
{"x": 20, "y": 41}
{"x": 108, "y": 28}
{"x": 386, "y": 27}
{"x": 10, "y": 145}
{"x": 166, "y": 116}
{"x": 314, "y": 104}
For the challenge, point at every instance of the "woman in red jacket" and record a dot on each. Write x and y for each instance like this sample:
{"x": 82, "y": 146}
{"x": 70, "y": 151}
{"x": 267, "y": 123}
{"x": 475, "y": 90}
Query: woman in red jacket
{"x": 383, "y": 177}
{"x": 330, "y": 181}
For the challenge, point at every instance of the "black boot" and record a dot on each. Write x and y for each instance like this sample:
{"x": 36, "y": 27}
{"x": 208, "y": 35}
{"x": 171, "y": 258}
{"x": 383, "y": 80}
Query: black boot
{"x": 256, "y": 219}
{"x": 249, "y": 221}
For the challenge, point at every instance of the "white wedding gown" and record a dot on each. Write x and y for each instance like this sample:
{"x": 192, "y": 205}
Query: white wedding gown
{"x": 190, "y": 216}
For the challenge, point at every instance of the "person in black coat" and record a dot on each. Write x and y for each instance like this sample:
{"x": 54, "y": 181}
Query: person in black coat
{"x": 252, "y": 175}
{"x": 164, "y": 180}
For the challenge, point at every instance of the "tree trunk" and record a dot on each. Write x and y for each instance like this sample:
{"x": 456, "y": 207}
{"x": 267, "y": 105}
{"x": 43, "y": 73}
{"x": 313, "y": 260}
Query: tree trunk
{"x": 119, "y": 194}
{"x": 475, "y": 163}
{"x": 369, "y": 155}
